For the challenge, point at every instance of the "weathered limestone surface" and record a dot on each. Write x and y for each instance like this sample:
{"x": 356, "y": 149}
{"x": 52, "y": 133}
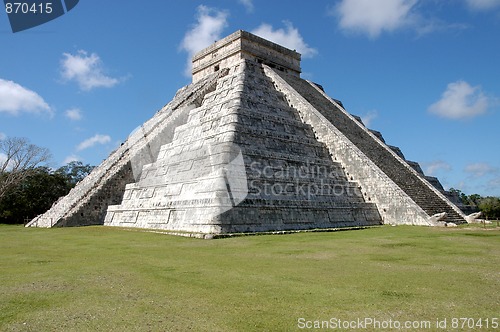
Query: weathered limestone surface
{"x": 451, "y": 196}
{"x": 249, "y": 146}
{"x": 87, "y": 203}
{"x": 400, "y": 173}
{"x": 243, "y": 45}
{"x": 291, "y": 180}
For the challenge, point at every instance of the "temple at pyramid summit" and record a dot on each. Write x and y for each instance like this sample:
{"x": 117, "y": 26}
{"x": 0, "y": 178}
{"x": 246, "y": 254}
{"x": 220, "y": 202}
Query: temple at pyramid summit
{"x": 250, "y": 146}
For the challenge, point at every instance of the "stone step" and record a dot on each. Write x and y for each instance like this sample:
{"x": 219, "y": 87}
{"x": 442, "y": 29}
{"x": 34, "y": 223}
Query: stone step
{"x": 296, "y": 158}
{"x": 409, "y": 182}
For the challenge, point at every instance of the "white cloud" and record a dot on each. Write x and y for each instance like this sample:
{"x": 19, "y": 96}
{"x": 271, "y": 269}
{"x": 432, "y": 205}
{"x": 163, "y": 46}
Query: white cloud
{"x": 248, "y": 5}
{"x": 74, "y": 114}
{"x": 15, "y": 99}
{"x": 480, "y": 5}
{"x": 374, "y": 17}
{"x": 460, "y": 100}
{"x": 369, "y": 117}
{"x": 2, "y": 136}
{"x": 288, "y": 37}
{"x": 208, "y": 28}
{"x": 433, "y": 167}
{"x": 86, "y": 70}
{"x": 480, "y": 169}
{"x": 71, "y": 158}
{"x": 90, "y": 142}
{"x": 424, "y": 26}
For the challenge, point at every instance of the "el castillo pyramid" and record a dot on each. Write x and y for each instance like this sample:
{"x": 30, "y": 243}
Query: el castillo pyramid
{"x": 250, "y": 146}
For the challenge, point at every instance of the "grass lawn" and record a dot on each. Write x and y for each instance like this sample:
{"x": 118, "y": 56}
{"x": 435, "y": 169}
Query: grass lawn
{"x": 112, "y": 279}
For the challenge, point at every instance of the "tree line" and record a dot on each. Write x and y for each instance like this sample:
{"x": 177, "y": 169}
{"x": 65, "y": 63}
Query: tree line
{"x": 28, "y": 187}
{"x": 489, "y": 206}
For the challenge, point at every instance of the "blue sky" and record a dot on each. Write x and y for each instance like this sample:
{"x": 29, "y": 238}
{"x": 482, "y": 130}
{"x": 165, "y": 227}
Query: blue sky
{"x": 426, "y": 73}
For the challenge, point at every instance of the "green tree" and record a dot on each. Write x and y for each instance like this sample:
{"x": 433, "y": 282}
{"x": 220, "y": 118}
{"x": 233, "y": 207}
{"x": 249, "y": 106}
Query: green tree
{"x": 18, "y": 159}
{"x": 75, "y": 171}
{"x": 38, "y": 190}
{"x": 474, "y": 199}
{"x": 490, "y": 206}
{"x": 33, "y": 196}
{"x": 467, "y": 200}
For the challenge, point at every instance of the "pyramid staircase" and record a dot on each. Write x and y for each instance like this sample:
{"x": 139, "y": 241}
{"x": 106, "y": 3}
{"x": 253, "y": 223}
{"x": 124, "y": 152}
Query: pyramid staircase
{"x": 396, "y": 168}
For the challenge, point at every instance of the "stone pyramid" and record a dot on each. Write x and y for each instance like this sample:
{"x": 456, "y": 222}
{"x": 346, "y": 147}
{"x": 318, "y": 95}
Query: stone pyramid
{"x": 249, "y": 146}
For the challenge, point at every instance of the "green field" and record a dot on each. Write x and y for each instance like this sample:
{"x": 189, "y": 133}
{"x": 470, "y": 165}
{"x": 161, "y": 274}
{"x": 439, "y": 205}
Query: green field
{"x": 111, "y": 279}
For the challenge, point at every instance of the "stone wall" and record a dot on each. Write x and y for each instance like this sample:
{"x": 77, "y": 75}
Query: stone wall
{"x": 231, "y": 168}
{"x": 243, "y": 45}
